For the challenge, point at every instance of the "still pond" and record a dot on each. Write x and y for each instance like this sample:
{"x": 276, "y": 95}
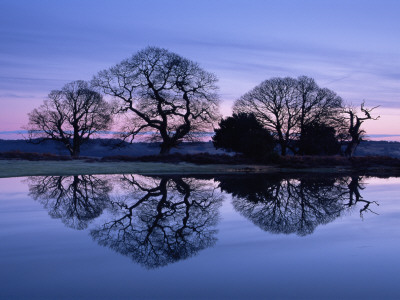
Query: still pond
{"x": 202, "y": 237}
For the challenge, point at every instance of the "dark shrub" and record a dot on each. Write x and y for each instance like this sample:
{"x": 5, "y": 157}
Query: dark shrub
{"x": 243, "y": 133}
{"x": 318, "y": 139}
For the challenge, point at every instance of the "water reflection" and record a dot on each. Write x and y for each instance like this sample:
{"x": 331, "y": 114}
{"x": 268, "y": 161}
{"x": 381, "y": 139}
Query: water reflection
{"x": 355, "y": 185}
{"x": 161, "y": 220}
{"x": 158, "y": 220}
{"x": 294, "y": 205}
{"x": 76, "y": 200}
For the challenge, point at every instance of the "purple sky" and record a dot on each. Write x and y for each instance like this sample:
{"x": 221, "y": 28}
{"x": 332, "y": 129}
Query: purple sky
{"x": 351, "y": 47}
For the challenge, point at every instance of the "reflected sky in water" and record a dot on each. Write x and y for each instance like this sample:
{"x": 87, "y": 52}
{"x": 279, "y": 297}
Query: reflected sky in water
{"x": 172, "y": 237}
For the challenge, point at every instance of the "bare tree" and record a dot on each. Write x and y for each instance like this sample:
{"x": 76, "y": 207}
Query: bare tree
{"x": 272, "y": 104}
{"x": 286, "y": 105}
{"x": 70, "y": 116}
{"x": 168, "y": 96}
{"x": 355, "y": 132}
{"x": 318, "y": 105}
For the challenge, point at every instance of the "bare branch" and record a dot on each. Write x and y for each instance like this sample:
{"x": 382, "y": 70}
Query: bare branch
{"x": 70, "y": 116}
{"x": 164, "y": 92}
{"x": 287, "y": 105}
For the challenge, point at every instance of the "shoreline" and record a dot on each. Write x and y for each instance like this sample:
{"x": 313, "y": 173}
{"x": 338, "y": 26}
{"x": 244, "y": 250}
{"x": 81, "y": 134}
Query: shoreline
{"x": 23, "y": 168}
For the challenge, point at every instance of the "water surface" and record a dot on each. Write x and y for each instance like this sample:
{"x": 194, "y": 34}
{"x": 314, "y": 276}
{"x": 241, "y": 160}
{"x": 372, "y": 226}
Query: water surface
{"x": 224, "y": 237}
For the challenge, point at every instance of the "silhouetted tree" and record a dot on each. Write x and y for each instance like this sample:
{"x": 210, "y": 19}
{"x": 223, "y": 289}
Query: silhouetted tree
{"x": 70, "y": 116}
{"x": 286, "y": 105}
{"x": 168, "y": 95}
{"x": 293, "y": 205}
{"x": 76, "y": 200}
{"x": 318, "y": 106}
{"x": 317, "y": 139}
{"x": 355, "y": 132}
{"x": 161, "y": 220}
{"x": 243, "y": 133}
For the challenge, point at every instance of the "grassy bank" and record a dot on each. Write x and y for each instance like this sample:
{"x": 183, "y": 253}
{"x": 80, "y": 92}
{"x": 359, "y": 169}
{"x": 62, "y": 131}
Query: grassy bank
{"x": 17, "y": 168}
{"x": 18, "y": 163}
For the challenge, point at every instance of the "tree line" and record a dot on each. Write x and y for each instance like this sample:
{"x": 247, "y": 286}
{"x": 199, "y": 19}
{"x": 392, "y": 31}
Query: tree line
{"x": 171, "y": 99}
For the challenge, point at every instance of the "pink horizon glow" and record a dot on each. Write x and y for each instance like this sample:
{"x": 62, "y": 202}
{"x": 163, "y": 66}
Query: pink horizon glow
{"x": 16, "y": 118}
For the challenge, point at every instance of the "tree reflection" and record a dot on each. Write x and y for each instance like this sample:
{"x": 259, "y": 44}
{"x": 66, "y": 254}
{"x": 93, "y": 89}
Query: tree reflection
{"x": 354, "y": 195}
{"x": 287, "y": 205}
{"x": 76, "y": 200}
{"x": 160, "y": 220}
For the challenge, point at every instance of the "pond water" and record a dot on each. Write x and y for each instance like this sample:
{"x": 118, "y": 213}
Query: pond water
{"x": 223, "y": 237}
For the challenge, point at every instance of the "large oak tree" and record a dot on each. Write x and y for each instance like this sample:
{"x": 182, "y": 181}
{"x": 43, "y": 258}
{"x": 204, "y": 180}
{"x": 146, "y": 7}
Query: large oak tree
{"x": 70, "y": 116}
{"x": 287, "y": 105}
{"x": 168, "y": 96}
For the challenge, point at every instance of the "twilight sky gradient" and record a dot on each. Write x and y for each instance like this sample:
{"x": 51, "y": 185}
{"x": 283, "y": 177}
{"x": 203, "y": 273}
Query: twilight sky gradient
{"x": 351, "y": 47}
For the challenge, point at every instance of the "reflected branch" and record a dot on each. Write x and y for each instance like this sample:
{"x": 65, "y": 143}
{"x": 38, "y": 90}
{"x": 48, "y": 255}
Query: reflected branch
{"x": 293, "y": 205}
{"x": 76, "y": 200}
{"x": 161, "y": 220}
{"x": 355, "y": 197}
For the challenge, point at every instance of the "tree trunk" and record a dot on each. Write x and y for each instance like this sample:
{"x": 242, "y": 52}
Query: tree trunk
{"x": 167, "y": 144}
{"x": 76, "y": 142}
{"x": 76, "y": 154}
{"x": 76, "y": 151}
{"x": 165, "y": 148}
{"x": 351, "y": 148}
{"x": 283, "y": 148}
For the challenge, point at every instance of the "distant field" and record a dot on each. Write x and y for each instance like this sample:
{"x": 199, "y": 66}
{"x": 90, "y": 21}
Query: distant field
{"x": 99, "y": 148}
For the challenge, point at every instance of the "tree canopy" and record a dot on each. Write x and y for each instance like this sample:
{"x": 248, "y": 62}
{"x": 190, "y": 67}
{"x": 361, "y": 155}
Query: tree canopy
{"x": 168, "y": 96}
{"x": 286, "y": 105}
{"x": 70, "y": 116}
